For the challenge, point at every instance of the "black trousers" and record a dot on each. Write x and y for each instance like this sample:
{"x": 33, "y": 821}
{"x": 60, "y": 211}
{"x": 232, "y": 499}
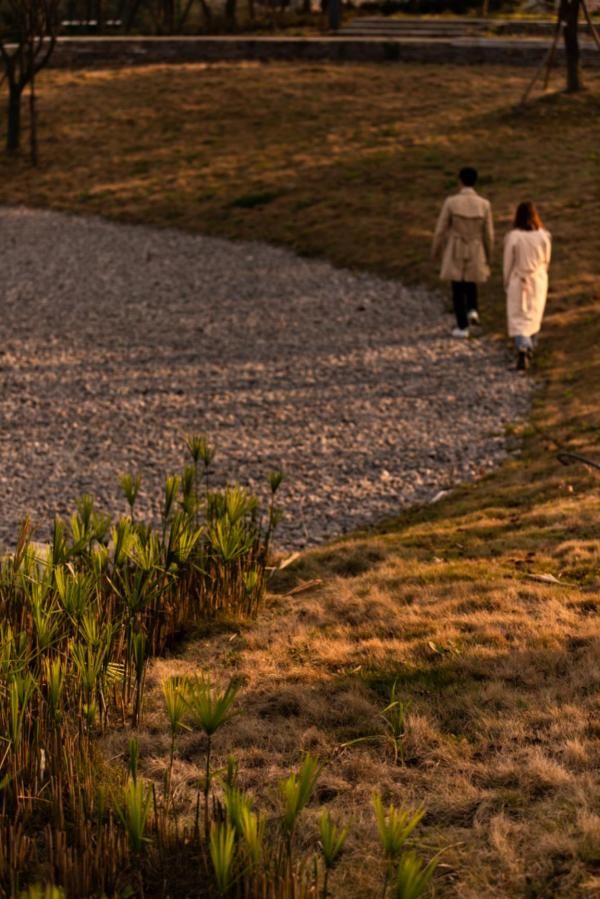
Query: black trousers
{"x": 464, "y": 300}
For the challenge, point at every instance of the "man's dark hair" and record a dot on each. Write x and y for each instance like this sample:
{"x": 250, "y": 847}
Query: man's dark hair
{"x": 468, "y": 176}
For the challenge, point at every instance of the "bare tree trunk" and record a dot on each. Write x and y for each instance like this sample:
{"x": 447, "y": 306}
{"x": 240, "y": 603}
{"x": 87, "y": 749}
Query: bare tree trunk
{"x": 334, "y": 14}
{"x": 35, "y": 28}
{"x": 13, "y": 136}
{"x": 569, "y": 14}
{"x": 33, "y": 140}
{"x": 183, "y": 16}
{"x": 230, "y": 13}
{"x": 131, "y": 15}
{"x": 207, "y": 12}
{"x": 170, "y": 6}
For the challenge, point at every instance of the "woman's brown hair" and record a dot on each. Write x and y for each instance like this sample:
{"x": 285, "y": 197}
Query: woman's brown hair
{"x": 527, "y": 217}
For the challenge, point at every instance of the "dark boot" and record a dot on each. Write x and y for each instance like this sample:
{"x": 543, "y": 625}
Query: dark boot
{"x": 523, "y": 360}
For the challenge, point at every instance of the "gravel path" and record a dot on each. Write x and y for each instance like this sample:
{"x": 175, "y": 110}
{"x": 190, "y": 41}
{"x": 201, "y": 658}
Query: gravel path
{"x": 118, "y": 340}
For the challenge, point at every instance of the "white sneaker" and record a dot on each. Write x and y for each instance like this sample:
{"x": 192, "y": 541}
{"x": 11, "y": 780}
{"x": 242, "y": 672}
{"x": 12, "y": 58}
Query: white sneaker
{"x": 460, "y": 332}
{"x": 473, "y": 317}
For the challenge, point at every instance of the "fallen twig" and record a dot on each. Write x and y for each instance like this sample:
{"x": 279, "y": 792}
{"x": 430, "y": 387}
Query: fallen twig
{"x": 567, "y": 457}
{"x": 288, "y": 561}
{"x": 305, "y": 585}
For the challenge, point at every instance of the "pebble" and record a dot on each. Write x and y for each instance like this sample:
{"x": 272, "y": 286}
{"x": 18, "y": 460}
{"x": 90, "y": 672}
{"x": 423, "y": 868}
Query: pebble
{"x": 119, "y": 340}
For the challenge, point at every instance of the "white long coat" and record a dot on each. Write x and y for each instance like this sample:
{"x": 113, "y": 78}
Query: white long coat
{"x": 526, "y": 261}
{"x": 464, "y": 236}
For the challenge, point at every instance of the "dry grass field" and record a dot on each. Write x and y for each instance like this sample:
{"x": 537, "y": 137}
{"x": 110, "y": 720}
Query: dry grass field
{"x": 499, "y": 668}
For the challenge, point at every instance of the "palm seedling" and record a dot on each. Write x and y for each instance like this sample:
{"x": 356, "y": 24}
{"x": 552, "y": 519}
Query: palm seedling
{"x": 39, "y": 601}
{"x": 86, "y": 526}
{"x": 222, "y": 854}
{"x": 249, "y": 826}
{"x": 394, "y": 716}
{"x": 15, "y": 652}
{"x": 231, "y": 545}
{"x": 296, "y": 791}
{"x": 236, "y": 801}
{"x": 133, "y": 758}
{"x": 252, "y": 826}
{"x": 253, "y": 581}
{"x": 59, "y": 552}
{"x": 54, "y": 677}
{"x": 123, "y": 536}
{"x": 229, "y": 539}
{"x": 100, "y": 528}
{"x": 184, "y": 542}
{"x": 75, "y": 590}
{"x": 91, "y": 656}
{"x": 413, "y": 876}
{"x": 275, "y": 479}
{"x": 395, "y": 826}
{"x": 138, "y": 583}
{"x": 80, "y": 536}
{"x": 182, "y": 564}
{"x": 176, "y": 708}
{"x": 99, "y": 558}
{"x": 209, "y": 709}
{"x": 239, "y": 503}
{"x": 42, "y": 891}
{"x": 201, "y": 451}
{"x": 46, "y": 622}
{"x": 145, "y": 552}
{"x": 332, "y": 844}
{"x": 172, "y": 488}
{"x": 19, "y": 725}
{"x": 23, "y": 545}
{"x": 139, "y": 657}
{"x": 20, "y": 692}
{"x": 189, "y": 492}
{"x": 134, "y": 813}
{"x": 85, "y": 511}
{"x": 130, "y": 485}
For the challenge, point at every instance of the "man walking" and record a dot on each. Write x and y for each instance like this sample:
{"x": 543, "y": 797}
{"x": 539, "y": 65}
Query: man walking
{"x": 464, "y": 236}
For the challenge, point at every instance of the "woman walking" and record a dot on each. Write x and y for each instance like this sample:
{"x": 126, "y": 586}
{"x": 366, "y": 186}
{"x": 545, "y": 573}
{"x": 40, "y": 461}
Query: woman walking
{"x": 527, "y": 251}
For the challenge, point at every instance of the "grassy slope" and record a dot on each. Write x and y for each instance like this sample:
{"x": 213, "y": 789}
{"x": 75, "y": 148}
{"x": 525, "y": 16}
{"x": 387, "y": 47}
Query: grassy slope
{"x": 501, "y": 672}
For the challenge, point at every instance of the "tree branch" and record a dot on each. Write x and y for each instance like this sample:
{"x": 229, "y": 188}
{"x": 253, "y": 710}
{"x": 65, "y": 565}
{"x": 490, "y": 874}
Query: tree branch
{"x": 546, "y": 62}
{"x": 44, "y": 61}
{"x": 566, "y": 458}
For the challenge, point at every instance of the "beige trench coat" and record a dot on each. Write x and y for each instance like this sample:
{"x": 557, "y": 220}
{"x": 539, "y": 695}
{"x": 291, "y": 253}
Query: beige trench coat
{"x": 526, "y": 261}
{"x": 464, "y": 235}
